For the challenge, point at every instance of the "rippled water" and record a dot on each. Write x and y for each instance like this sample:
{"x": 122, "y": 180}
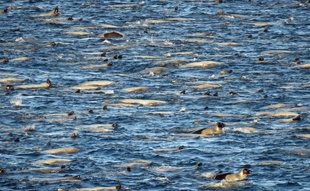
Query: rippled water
{"x": 166, "y": 34}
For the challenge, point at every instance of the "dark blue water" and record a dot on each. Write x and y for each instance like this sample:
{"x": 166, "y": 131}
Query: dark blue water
{"x": 36, "y": 119}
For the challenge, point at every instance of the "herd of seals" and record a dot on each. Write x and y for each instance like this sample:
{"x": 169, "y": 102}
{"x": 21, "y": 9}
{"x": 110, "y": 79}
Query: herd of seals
{"x": 154, "y": 95}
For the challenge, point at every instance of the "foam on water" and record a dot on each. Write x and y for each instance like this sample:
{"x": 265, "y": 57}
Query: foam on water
{"x": 17, "y": 100}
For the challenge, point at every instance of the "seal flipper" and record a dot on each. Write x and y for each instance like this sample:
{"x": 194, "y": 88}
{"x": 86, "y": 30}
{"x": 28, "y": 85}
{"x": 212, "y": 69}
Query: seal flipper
{"x": 221, "y": 176}
{"x": 199, "y": 131}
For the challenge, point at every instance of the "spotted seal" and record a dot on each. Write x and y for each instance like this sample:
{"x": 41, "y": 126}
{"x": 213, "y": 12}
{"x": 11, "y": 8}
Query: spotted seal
{"x": 217, "y": 129}
{"x": 241, "y": 175}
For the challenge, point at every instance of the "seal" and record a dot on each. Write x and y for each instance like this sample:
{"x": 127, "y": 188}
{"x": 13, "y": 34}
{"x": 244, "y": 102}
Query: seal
{"x": 73, "y": 135}
{"x": 217, "y": 129}
{"x": 241, "y": 175}
{"x": 4, "y": 60}
{"x": 5, "y": 10}
{"x": 2, "y": 171}
{"x": 9, "y": 87}
{"x": 54, "y": 12}
{"x": 48, "y": 81}
{"x": 118, "y": 187}
{"x": 128, "y": 169}
{"x": 112, "y": 34}
{"x": 261, "y": 59}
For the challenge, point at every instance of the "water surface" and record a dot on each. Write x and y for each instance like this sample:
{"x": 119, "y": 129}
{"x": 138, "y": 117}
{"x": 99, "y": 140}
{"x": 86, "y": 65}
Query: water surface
{"x": 166, "y": 34}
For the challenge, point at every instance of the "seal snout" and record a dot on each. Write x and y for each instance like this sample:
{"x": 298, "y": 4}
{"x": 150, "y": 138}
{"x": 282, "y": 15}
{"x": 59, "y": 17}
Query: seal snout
{"x": 220, "y": 124}
{"x": 247, "y": 171}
